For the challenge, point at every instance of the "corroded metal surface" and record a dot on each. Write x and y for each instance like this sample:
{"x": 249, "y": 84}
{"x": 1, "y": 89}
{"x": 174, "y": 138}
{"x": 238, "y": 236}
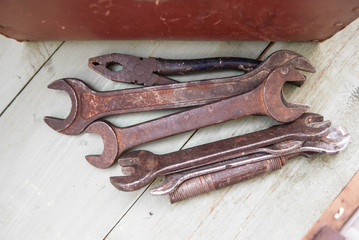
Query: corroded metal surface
{"x": 266, "y": 99}
{"x": 151, "y": 71}
{"x": 335, "y": 141}
{"x": 144, "y": 166}
{"x": 218, "y": 180}
{"x": 89, "y": 105}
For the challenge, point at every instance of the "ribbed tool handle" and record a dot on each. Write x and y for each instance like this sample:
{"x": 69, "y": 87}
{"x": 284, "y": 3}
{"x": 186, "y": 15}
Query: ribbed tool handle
{"x": 213, "y": 181}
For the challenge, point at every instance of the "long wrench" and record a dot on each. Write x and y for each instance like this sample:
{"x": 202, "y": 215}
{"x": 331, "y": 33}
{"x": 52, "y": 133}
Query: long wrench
{"x": 89, "y": 105}
{"x": 267, "y": 99}
{"x": 333, "y": 142}
{"x": 231, "y": 175}
{"x": 144, "y": 166}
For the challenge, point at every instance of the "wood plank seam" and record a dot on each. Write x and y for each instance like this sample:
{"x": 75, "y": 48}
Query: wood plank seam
{"x": 264, "y": 52}
{"x": 134, "y": 202}
{"x": 30, "y": 79}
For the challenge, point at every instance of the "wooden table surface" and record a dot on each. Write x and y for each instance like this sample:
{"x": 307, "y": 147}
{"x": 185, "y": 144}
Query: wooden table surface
{"x": 49, "y": 191}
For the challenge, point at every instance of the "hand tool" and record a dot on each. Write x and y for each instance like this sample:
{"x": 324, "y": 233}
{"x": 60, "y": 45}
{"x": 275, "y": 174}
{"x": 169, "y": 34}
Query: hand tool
{"x": 267, "y": 99}
{"x": 143, "y": 166}
{"x": 148, "y": 71}
{"x": 89, "y": 105}
{"x": 334, "y": 141}
{"x": 232, "y": 175}
{"x": 173, "y": 180}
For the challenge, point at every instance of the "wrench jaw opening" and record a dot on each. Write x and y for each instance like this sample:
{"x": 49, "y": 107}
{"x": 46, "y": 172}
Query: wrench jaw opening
{"x": 74, "y": 123}
{"x": 277, "y": 107}
{"x": 301, "y": 63}
{"x": 334, "y": 142}
{"x": 289, "y": 59}
{"x": 110, "y": 153}
{"x": 141, "y": 169}
{"x": 128, "y": 183}
{"x": 58, "y": 124}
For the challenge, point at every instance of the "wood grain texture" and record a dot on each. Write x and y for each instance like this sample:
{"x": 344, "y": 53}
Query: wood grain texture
{"x": 283, "y": 204}
{"x": 48, "y": 190}
{"x": 19, "y": 62}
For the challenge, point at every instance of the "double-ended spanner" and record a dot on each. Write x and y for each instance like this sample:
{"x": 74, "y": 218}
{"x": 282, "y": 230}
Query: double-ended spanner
{"x": 142, "y": 167}
{"x": 188, "y": 183}
{"x": 89, "y": 105}
{"x": 150, "y": 71}
{"x": 267, "y": 99}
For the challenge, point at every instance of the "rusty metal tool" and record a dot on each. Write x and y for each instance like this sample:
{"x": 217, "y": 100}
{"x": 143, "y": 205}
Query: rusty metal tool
{"x": 143, "y": 166}
{"x": 89, "y": 105}
{"x": 150, "y": 71}
{"x": 267, "y": 99}
{"x": 336, "y": 141}
{"x": 174, "y": 180}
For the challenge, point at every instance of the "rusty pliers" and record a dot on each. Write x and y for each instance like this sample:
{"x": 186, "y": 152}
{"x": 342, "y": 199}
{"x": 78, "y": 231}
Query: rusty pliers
{"x": 150, "y": 71}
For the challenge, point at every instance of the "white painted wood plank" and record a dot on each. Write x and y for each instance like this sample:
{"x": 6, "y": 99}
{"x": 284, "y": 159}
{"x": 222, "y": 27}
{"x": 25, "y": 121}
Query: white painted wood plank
{"x": 283, "y": 204}
{"x": 19, "y": 62}
{"x": 48, "y": 190}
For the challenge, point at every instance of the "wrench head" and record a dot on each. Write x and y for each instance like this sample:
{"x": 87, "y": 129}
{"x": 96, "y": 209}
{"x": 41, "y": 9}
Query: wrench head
{"x": 276, "y": 105}
{"x": 75, "y": 122}
{"x": 109, "y": 138}
{"x": 335, "y": 141}
{"x": 140, "y": 166}
{"x": 289, "y": 59}
{"x": 308, "y": 127}
{"x": 125, "y": 68}
{"x": 58, "y": 124}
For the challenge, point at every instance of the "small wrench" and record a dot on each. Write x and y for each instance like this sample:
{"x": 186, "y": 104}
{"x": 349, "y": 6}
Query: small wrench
{"x": 213, "y": 179}
{"x": 267, "y": 99}
{"x": 335, "y": 141}
{"x": 145, "y": 166}
{"x": 148, "y": 71}
{"x": 89, "y": 105}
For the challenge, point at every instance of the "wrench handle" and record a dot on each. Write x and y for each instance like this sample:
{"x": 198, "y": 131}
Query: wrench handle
{"x": 172, "y": 67}
{"x": 100, "y": 104}
{"x": 214, "y": 181}
{"x": 217, "y": 112}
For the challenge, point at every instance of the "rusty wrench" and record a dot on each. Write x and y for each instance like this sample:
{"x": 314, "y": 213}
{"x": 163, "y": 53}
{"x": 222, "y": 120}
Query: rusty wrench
{"x": 149, "y": 71}
{"x": 144, "y": 166}
{"x": 336, "y": 141}
{"x": 266, "y": 99}
{"x": 89, "y": 105}
{"x": 333, "y": 142}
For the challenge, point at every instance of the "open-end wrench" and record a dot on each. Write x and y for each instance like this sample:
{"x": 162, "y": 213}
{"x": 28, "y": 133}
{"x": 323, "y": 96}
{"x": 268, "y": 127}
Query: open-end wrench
{"x": 231, "y": 175}
{"x": 173, "y": 180}
{"x": 89, "y": 105}
{"x": 267, "y": 99}
{"x": 149, "y": 71}
{"x": 335, "y": 141}
{"x": 144, "y": 166}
